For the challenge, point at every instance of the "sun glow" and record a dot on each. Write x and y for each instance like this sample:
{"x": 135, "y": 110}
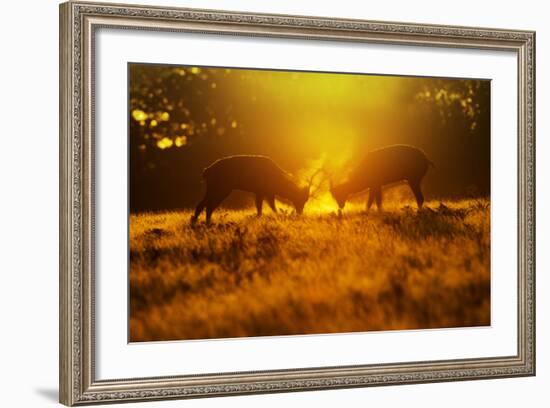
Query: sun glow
{"x": 321, "y": 204}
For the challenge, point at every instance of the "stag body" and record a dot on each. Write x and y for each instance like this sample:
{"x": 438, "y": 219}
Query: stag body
{"x": 255, "y": 174}
{"x": 385, "y": 166}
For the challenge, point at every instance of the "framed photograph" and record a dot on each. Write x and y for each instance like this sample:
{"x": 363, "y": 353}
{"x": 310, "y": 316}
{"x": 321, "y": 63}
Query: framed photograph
{"x": 256, "y": 203}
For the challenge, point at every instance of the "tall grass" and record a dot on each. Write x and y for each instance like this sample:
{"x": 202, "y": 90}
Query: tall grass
{"x": 318, "y": 273}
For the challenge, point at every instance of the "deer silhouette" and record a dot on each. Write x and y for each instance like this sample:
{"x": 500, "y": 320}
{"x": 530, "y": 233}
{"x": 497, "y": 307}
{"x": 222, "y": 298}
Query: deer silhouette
{"x": 381, "y": 167}
{"x": 259, "y": 175}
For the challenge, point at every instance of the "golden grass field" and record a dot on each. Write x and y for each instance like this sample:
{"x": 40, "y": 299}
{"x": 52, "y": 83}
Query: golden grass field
{"x": 282, "y": 274}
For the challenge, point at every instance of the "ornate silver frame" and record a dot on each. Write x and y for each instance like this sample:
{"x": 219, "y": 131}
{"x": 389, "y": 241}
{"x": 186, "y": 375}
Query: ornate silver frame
{"x": 78, "y": 22}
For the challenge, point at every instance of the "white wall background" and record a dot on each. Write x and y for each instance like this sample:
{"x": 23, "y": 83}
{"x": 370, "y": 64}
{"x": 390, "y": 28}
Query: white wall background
{"x": 29, "y": 194}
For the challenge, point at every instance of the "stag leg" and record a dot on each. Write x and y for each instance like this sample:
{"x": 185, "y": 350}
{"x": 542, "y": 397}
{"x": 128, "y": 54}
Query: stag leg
{"x": 213, "y": 201}
{"x": 377, "y": 192}
{"x": 271, "y": 202}
{"x": 415, "y": 187}
{"x": 198, "y": 210}
{"x": 259, "y": 202}
{"x": 371, "y": 199}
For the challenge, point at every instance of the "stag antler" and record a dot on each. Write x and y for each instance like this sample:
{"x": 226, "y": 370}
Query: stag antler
{"x": 310, "y": 182}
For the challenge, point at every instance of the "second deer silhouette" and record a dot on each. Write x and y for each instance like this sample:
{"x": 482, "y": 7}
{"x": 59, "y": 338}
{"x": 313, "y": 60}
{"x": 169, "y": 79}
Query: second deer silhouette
{"x": 385, "y": 166}
{"x": 255, "y": 174}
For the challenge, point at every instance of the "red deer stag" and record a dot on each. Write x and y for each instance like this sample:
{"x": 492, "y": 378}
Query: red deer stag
{"x": 385, "y": 166}
{"x": 255, "y": 174}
